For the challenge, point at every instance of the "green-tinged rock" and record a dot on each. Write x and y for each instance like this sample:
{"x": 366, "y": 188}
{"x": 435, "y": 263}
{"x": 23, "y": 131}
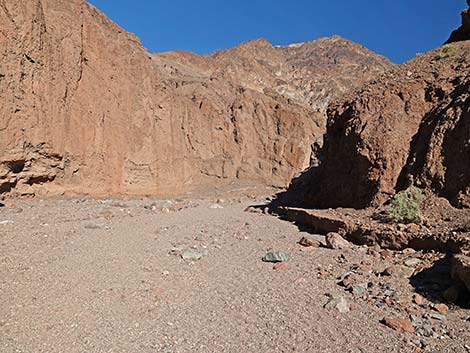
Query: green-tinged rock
{"x": 194, "y": 255}
{"x": 276, "y": 257}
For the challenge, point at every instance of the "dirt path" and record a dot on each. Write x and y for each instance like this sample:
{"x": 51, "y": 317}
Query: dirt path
{"x": 107, "y": 276}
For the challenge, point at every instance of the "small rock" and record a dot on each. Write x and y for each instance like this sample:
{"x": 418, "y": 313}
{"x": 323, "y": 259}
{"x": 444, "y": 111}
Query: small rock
{"x": 252, "y": 209}
{"x": 215, "y": 206}
{"x": 413, "y": 228}
{"x": 437, "y": 316}
{"x": 276, "y": 257}
{"x": 412, "y": 262}
{"x": 308, "y": 242}
{"x": 400, "y": 325}
{"x": 92, "y": 226}
{"x": 409, "y": 251}
{"x": 405, "y": 271}
{"x": 336, "y": 241}
{"x": 194, "y": 255}
{"x": 388, "y": 271}
{"x": 441, "y": 308}
{"x": 337, "y": 302}
{"x": 280, "y": 266}
{"x": 418, "y": 299}
{"x": 358, "y": 290}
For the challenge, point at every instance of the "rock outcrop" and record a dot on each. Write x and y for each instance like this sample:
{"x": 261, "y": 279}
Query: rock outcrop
{"x": 410, "y": 126}
{"x": 463, "y": 32}
{"x": 86, "y": 109}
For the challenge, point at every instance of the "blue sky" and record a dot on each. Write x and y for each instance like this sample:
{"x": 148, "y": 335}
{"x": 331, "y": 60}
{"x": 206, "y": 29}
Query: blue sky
{"x": 397, "y": 29}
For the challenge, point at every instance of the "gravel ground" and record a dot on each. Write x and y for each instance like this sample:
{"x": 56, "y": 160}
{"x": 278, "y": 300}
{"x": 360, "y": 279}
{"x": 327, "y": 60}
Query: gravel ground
{"x": 108, "y": 276}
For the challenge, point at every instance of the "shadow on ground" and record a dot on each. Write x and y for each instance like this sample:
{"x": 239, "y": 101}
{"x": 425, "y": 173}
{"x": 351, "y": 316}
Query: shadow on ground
{"x": 436, "y": 285}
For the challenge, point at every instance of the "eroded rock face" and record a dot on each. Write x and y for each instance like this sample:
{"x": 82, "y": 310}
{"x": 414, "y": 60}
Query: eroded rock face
{"x": 411, "y": 126}
{"x": 463, "y": 32}
{"x": 83, "y": 100}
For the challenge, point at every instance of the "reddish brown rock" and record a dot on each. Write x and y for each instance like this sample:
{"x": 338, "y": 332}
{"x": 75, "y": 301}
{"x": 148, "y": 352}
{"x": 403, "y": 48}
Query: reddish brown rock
{"x": 418, "y": 299}
{"x": 441, "y": 308}
{"x": 86, "y": 109}
{"x": 397, "y": 131}
{"x": 401, "y": 325}
{"x": 281, "y": 266}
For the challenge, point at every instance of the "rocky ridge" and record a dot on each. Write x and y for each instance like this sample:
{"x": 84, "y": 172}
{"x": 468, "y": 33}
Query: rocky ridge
{"x": 463, "y": 32}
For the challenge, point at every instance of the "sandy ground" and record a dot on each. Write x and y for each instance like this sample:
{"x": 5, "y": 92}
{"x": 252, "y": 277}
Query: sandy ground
{"x": 108, "y": 276}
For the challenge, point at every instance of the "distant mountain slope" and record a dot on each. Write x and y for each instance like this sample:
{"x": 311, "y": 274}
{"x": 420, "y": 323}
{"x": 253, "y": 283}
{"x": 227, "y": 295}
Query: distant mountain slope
{"x": 311, "y": 73}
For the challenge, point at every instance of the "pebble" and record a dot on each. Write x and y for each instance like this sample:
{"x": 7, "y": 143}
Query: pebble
{"x": 437, "y": 316}
{"x": 308, "y": 242}
{"x": 281, "y": 266}
{"x": 276, "y": 257}
{"x": 337, "y": 302}
{"x": 441, "y": 308}
{"x": 215, "y": 206}
{"x": 194, "y": 255}
{"x": 412, "y": 262}
{"x": 409, "y": 251}
{"x": 418, "y": 299}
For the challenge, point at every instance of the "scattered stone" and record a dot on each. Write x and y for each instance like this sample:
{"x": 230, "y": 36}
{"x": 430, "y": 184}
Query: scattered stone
{"x": 405, "y": 271}
{"x": 215, "y": 206}
{"x": 358, "y": 291}
{"x": 252, "y": 209}
{"x": 92, "y": 226}
{"x": 281, "y": 266}
{"x": 337, "y": 302}
{"x": 418, "y": 299}
{"x": 441, "y": 308}
{"x": 336, "y": 241}
{"x": 413, "y": 228}
{"x": 194, "y": 255}
{"x": 437, "y": 316}
{"x": 276, "y": 257}
{"x": 412, "y": 262}
{"x": 400, "y": 325}
{"x": 308, "y": 242}
{"x": 409, "y": 251}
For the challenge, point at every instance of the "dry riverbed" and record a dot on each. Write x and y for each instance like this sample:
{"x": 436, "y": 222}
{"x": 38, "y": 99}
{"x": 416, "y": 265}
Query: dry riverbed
{"x": 146, "y": 275}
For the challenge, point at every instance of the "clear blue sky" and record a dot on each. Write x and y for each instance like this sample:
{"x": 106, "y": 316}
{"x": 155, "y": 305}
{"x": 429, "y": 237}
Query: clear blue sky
{"x": 397, "y": 29}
